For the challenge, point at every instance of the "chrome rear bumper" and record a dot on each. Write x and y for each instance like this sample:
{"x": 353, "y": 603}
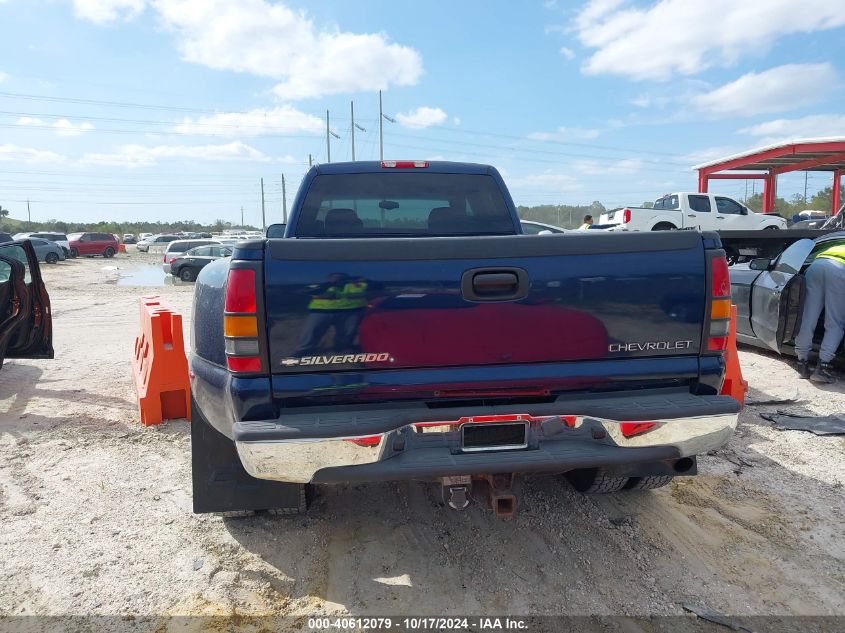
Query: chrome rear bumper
{"x": 556, "y": 444}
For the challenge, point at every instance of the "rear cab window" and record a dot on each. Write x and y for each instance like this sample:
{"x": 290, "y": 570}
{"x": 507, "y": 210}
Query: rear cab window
{"x": 667, "y": 202}
{"x": 403, "y": 205}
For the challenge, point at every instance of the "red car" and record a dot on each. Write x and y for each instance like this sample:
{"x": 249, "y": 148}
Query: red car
{"x": 104, "y": 244}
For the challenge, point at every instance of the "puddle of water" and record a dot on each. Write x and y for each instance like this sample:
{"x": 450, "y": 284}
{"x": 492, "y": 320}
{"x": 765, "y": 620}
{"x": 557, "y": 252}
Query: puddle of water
{"x": 151, "y": 275}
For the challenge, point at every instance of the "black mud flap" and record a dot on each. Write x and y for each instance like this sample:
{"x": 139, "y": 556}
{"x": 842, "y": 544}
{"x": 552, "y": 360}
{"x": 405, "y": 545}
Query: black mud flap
{"x": 221, "y": 484}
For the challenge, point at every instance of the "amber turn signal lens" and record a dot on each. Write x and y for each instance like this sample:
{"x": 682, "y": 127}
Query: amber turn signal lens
{"x": 240, "y": 326}
{"x": 720, "y": 309}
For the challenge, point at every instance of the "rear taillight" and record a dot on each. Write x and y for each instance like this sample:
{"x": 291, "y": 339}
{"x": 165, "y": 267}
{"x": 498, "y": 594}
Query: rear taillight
{"x": 240, "y": 322}
{"x": 719, "y": 321}
{"x": 404, "y": 164}
{"x": 630, "y": 429}
{"x": 172, "y": 259}
{"x": 370, "y": 440}
{"x": 626, "y": 216}
{"x": 164, "y": 258}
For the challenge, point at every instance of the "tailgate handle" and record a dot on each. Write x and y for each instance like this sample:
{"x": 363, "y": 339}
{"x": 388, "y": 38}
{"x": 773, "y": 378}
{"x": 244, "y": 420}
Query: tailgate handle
{"x": 494, "y": 284}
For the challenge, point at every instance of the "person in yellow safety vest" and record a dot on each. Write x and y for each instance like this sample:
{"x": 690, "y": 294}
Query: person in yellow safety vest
{"x": 340, "y": 304}
{"x": 825, "y": 284}
{"x": 588, "y": 222}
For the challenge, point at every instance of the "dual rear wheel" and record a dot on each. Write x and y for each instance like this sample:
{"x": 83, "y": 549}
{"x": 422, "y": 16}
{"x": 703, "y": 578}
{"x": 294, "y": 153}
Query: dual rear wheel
{"x": 599, "y": 481}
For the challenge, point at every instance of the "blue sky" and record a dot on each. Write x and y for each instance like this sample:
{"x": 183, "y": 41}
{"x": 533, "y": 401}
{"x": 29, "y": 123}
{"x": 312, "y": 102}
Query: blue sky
{"x": 174, "y": 109}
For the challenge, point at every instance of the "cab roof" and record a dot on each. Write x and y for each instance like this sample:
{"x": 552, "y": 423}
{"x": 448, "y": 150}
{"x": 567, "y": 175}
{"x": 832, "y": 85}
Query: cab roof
{"x": 374, "y": 166}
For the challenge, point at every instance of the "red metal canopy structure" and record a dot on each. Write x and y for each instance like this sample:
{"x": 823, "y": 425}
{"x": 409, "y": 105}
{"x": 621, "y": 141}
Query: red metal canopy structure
{"x": 820, "y": 154}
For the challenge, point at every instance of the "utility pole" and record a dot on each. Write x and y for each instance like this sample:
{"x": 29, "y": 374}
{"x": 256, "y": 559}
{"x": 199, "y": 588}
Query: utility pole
{"x": 284, "y": 201}
{"x": 310, "y": 161}
{"x": 381, "y": 117}
{"x": 805, "y": 188}
{"x": 29, "y": 214}
{"x": 329, "y": 134}
{"x": 745, "y": 199}
{"x": 380, "y": 128}
{"x": 354, "y": 125}
{"x": 242, "y": 217}
{"x": 263, "y": 218}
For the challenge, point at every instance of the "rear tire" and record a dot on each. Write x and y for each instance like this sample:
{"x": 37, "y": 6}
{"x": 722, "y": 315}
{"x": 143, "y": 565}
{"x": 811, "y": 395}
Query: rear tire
{"x": 51, "y": 258}
{"x": 187, "y": 274}
{"x": 664, "y": 226}
{"x": 74, "y": 253}
{"x": 594, "y": 481}
{"x": 772, "y": 228}
{"x": 649, "y": 482}
{"x": 109, "y": 252}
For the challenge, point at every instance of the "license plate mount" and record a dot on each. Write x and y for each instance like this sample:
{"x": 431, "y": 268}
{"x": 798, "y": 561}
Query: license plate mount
{"x": 494, "y": 436}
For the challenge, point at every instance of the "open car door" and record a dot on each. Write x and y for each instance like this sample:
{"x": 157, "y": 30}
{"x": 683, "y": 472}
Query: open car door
{"x": 26, "y": 328}
{"x": 777, "y": 297}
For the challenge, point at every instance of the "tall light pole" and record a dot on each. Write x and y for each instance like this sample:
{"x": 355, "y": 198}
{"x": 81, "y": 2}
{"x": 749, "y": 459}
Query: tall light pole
{"x": 263, "y": 217}
{"x": 284, "y": 201}
{"x": 242, "y": 217}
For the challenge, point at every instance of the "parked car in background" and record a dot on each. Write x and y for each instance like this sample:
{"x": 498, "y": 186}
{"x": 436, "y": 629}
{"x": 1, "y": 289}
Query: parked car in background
{"x": 129, "y": 238}
{"x": 47, "y": 251}
{"x": 529, "y": 227}
{"x": 91, "y": 243}
{"x": 808, "y": 224}
{"x": 769, "y": 296}
{"x": 143, "y": 236}
{"x": 683, "y": 210}
{"x": 26, "y": 326}
{"x": 188, "y": 265}
{"x": 52, "y": 236}
{"x": 177, "y": 247}
{"x": 5, "y": 237}
{"x": 156, "y": 243}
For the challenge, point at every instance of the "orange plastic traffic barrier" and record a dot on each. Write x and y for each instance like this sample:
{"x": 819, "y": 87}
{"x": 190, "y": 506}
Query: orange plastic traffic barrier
{"x": 734, "y": 385}
{"x": 160, "y": 367}
{"x": 121, "y": 248}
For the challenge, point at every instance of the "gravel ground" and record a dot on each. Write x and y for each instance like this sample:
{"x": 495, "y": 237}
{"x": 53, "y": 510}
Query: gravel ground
{"x": 96, "y": 509}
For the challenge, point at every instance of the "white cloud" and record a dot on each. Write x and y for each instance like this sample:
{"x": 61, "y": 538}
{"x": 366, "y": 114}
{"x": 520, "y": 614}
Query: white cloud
{"x": 456, "y": 121}
{"x": 774, "y": 90}
{"x": 813, "y": 126}
{"x": 596, "y": 168}
{"x": 565, "y": 134}
{"x": 3, "y": 76}
{"x": 63, "y": 127}
{"x": 28, "y": 154}
{"x": 281, "y": 120}
{"x": 685, "y": 37}
{"x": 422, "y": 117}
{"x": 567, "y": 52}
{"x": 271, "y": 40}
{"x": 548, "y": 179}
{"x": 106, "y": 11}
{"x": 143, "y": 155}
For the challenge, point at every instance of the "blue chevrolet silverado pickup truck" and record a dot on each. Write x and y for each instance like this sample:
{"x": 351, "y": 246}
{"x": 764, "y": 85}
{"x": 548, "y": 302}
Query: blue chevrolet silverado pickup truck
{"x": 404, "y": 328}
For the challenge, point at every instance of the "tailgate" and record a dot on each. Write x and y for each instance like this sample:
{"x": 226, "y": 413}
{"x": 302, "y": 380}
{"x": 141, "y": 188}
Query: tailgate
{"x": 347, "y": 304}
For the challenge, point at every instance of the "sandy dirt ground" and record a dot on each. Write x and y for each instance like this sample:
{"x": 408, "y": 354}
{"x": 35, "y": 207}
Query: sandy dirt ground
{"x": 96, "y": 509}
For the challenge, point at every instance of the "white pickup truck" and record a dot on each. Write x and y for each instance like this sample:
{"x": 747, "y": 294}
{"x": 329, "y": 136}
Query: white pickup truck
{"x": 685, "y": 210}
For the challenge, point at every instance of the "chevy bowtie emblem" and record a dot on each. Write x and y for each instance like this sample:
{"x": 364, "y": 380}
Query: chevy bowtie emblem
{"x": 290, "y": 362}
